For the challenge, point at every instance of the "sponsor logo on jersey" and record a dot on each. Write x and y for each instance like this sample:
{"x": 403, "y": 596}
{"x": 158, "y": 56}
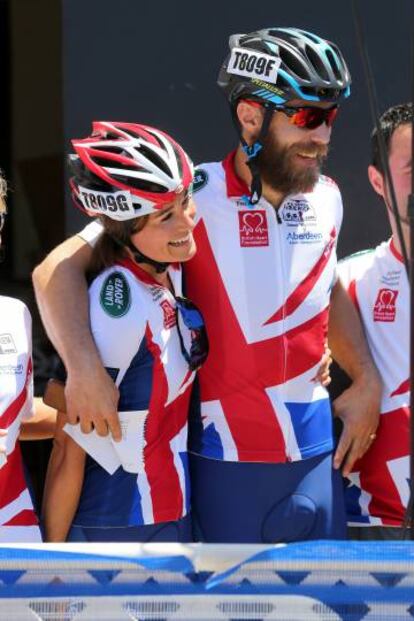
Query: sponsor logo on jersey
{"x": 117, "y": 204}
{"x": 115, "y": 295}
{"x": 157, "y": 292}
{"x": 7, "y": 345}
{"x": 304, "y": 238}
{"x": 391, "y": 278}
{"x": 384, "y": 307}
{"x": 11, "y": 369}
{"x": 253, "y": 65}
{"x": 200, "y": 179}
{"x": 253, "y": 228}
{"x": 296, "y": 212}
{"x": 170, "y": 317}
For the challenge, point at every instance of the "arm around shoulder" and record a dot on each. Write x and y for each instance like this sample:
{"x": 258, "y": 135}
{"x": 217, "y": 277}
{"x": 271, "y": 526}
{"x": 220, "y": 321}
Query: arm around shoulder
{"x": 62, "y": 295}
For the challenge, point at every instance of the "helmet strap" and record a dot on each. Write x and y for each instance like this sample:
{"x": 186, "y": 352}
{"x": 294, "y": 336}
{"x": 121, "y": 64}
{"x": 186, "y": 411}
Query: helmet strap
{"x": 252, "y": 151}
{"x": 139, "y": 257}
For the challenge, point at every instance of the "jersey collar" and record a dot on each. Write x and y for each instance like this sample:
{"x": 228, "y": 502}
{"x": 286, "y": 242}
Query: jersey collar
{"x": 395, "y": 252}
{"x": 236, "y": 187}
{"x": 143, "y": 275}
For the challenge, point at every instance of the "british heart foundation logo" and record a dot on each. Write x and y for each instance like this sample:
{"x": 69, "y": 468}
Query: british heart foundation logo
{"x": 170, "y": 318}
{"x": 253, "y": 228}
{"x": 384, "y": 307}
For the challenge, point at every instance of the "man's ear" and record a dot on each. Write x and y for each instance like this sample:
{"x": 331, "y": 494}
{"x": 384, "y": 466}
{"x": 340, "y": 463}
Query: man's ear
{"x": 377, "y": 180}
{"x": 250, "y": 118}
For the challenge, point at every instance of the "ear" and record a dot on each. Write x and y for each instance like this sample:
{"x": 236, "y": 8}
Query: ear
{"x": 250, "y": 118}
{"x": 377, "y": 180}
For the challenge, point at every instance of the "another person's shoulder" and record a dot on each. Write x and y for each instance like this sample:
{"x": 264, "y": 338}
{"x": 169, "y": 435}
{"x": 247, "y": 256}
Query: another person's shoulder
{"x": 12, "y": 308}
{"x": 208, "y": 177}
{"x": 355, "y": 266}
{"x": 15, "y": 326}
{"x": 328, "y": 187}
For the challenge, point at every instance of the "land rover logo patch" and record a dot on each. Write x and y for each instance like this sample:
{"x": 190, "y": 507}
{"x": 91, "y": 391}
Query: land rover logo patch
{"x": 115, "y": 295}
{"x": 200, "y": 179}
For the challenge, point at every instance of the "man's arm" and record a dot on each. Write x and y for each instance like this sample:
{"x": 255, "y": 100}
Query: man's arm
{"x": 62, "y": 297}
{"x": 359, "y": 406}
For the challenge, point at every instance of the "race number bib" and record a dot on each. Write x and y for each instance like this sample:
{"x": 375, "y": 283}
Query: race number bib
{"x": 253, "y": 65}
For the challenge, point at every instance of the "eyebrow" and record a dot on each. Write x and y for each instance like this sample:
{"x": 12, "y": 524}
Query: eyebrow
{"x": 164, "y": 211}
{"x": 170, "y": 207}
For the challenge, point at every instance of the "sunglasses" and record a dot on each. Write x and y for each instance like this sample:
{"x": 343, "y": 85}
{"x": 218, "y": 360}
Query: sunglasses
{"x": 193, "y": 340}
{"x": 309, "y": 117}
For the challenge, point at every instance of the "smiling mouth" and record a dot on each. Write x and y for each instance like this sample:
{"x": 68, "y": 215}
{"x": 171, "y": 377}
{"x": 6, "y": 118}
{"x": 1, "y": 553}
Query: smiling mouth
{"x": 180, "y": 242}
{"x": 309, "y": 156}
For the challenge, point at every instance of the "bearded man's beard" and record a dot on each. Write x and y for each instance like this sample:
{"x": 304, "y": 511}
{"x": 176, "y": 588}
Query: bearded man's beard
{"x": 279, "y": 170}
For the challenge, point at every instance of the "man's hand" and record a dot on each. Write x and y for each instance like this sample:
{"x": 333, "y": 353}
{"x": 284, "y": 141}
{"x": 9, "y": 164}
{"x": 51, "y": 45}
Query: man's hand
{"x": 92, "y": 398}
{"x": 359, "y": 410}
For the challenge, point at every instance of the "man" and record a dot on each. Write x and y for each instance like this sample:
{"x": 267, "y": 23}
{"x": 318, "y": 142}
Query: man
{"x": 378, "y": 491}
{"x": 266, "y": 238}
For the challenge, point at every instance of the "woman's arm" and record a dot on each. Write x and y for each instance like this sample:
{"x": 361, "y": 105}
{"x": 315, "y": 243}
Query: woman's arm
{"x": 64, "y": 480}
{"x": 42, "y": 425}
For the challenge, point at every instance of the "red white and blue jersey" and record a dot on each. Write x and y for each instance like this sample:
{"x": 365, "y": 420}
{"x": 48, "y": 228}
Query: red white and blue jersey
{"x": 378, "y": 488}
{"x": 18, "y": 522}
{"x": 134, "y": 325}
{"x": 262, "y": 279}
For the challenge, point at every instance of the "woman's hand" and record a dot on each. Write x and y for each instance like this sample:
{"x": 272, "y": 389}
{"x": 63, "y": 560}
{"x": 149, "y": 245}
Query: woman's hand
{"x": 323, "y": 374}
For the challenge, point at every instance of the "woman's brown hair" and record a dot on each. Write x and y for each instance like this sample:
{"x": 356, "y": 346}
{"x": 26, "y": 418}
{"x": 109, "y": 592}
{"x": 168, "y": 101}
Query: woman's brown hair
{"x": 112, "y": 244}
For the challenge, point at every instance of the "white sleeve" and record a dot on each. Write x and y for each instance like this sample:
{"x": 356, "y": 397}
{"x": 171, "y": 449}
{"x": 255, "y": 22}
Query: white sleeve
{"x": 27, "y": 409}
{"x": 91, "y": 232}
{"x": 118, "y": 318}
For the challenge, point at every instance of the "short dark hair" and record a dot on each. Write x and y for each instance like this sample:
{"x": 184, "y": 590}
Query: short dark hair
{"x": 389, "y": 122}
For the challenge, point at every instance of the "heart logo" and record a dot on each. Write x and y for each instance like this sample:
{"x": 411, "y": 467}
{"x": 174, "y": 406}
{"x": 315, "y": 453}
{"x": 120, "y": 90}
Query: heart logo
{"x": 253, "y": 221}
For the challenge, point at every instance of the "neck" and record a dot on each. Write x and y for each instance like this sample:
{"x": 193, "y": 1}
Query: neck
{"x": 397, "y": 244}
{"x": 162, "y": 278}
{"x": 274, "y": 197}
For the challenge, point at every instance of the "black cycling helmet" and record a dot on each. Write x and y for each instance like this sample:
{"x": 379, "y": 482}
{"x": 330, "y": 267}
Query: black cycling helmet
{"x": 275, "y": 65}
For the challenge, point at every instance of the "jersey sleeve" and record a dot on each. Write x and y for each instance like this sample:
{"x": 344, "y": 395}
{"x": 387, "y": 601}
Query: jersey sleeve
{"x": 91, "y": 232}
{"x": 27, "y": 409}
{"x": 118, "y": 319}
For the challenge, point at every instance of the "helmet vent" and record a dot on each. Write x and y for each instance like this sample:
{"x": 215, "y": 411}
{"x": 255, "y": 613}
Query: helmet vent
{"x": 153, "y": 157}
{"x": 317, "y": 63}
{"x": 138, "y": 184}
{"x": 292, "y": 63}
{"x": 333, "y": 63}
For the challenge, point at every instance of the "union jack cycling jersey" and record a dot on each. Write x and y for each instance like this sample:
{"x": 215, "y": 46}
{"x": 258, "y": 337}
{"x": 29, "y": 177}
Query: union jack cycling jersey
{"x": 262, "y": 279}
{"x": 18, "y": 522}
{"x": 134, "y": 325}
{"x": 378, "y": 488}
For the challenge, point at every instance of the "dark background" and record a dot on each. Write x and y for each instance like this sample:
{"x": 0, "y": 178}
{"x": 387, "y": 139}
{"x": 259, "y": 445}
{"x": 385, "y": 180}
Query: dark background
{"x": 64, "y": 63}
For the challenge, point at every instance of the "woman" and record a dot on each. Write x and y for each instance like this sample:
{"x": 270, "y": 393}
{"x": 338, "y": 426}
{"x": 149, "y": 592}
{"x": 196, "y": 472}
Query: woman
{"x": 18, "y": 521}
{"x": 137, "y": 180}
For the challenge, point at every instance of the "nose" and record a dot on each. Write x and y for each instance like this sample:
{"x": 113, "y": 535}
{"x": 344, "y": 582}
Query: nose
{"x": 189, "y": 214}
{"x": 321, "y": 134}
